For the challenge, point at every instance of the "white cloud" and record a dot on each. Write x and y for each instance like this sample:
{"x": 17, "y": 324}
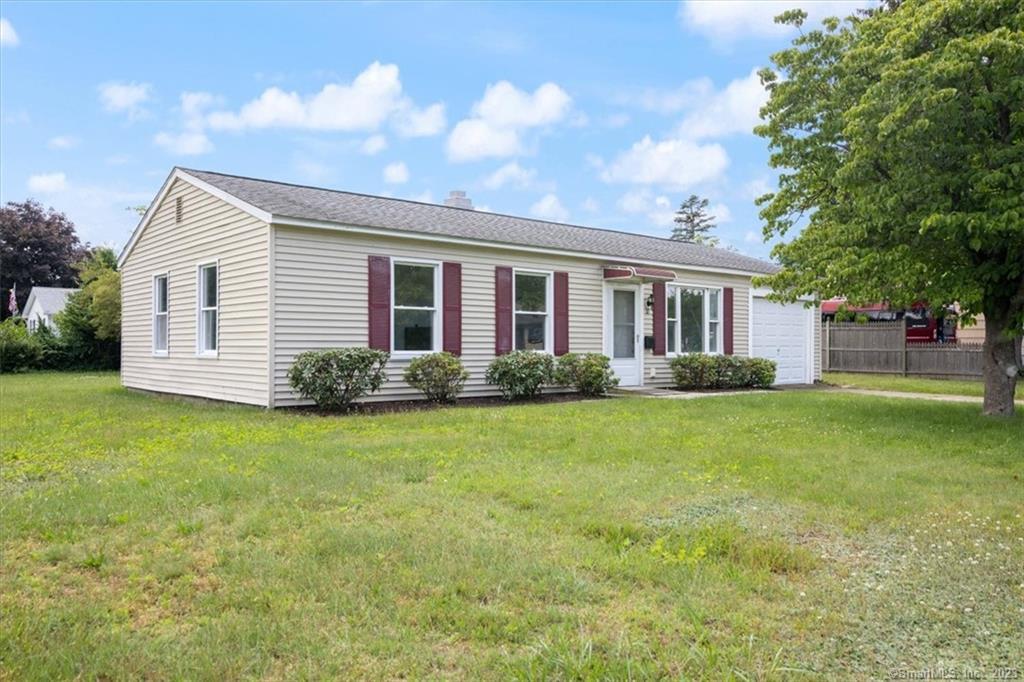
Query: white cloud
{"x": 727, "y": 22}
{"x": 192, "y": 141}
{"x": 474, "y": 139}
{"x": 498, "y": 119}
{"x": 671, "y": 163}
{"x": 187, "y": 143}
{"x": 721, "y": 213}
{"x": 483, "y": 209}
{"x": 412, "y": 122}
{"x": 8, "y": 36}
{"x": 426, "y": 197}
{"x": 732, "y": 110}
{"x": 506, "y": 106}
{"x": 48, "y": 183}
{"x": 396, "y": 173}
{"x": 658, "y": 209}
{"x": 62, "y": 142}
{"x": 756, "y": 188}
{"x": 125, "y": 97}
{"x": 511, "y": 174}
{"x": 670, "y": 101}
{"x": 365, "y": 104}
{"x": 550, "y": 208}
{"x": 752, "y": 237}
{"x": 374, "y": 144}
{"x": 590, "y": 205}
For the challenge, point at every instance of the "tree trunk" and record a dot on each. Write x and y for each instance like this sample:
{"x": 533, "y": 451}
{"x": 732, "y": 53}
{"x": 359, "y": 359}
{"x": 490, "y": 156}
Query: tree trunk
{"x": 1000, "y": 368}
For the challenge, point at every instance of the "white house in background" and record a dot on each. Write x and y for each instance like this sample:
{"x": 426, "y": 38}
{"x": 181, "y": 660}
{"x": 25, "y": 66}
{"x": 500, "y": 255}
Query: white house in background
{"x": 43, "y": 304}
{"x": 227, "y": 279}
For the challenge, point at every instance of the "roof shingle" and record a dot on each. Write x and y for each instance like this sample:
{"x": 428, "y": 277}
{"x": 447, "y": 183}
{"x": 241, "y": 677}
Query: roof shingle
{"x": 284, "y": 200}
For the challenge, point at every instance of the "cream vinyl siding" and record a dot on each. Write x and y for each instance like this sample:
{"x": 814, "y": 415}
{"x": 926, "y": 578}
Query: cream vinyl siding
{"x": 211, "y": 230}
{"x": 320, "y": 301}
{"x": 740, "y": 325}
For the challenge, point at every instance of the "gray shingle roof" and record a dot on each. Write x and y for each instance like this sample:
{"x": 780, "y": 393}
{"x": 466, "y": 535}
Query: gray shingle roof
{"x": 50, "y": 299}
{"x": 284, "y": 200}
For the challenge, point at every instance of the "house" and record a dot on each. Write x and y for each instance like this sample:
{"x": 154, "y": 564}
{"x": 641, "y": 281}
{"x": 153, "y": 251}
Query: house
{"x": 43, "y": 304}
{"x": 227, "y": 279}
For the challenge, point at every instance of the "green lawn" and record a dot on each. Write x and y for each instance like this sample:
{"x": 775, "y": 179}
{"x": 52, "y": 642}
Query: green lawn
{"x": 894, "y": 382}
{"x": 744, "y": 536}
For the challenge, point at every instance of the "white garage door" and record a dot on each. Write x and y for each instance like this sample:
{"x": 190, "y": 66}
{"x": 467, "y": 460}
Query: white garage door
{"x": 781, "y": 334}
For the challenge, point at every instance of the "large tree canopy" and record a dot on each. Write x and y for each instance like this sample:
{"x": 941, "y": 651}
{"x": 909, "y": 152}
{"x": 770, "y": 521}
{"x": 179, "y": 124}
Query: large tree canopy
{"x": 900, "y": 135}
{"x": 37, "y": 248}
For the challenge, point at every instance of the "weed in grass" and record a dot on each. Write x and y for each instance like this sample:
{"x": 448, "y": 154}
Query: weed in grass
{"x": 94, "y": 560}
{"x": 186, "y": 528}
{"x": 55, "y": 554}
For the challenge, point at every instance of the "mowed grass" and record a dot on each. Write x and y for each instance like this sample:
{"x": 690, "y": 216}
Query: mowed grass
{"x": 750, "y": 537}
{"x": 894, "y": 382}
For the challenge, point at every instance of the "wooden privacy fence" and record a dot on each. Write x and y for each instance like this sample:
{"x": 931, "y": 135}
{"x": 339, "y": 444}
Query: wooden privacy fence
{"x": 882, "y": 347}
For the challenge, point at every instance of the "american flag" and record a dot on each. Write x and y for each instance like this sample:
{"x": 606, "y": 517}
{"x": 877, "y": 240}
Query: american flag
{"x": 12, "y": 302}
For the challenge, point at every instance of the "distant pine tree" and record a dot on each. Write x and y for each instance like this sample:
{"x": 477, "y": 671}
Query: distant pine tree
{"x": 694, "y": 223}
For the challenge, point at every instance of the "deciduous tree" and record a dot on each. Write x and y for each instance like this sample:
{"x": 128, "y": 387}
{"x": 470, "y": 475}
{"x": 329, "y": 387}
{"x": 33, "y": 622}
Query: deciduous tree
{"x": 900, "y": 135}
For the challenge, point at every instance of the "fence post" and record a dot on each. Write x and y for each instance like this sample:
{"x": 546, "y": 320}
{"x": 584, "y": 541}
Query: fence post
{"x": 828, "y": 345}
{"x": 903, "y": 337}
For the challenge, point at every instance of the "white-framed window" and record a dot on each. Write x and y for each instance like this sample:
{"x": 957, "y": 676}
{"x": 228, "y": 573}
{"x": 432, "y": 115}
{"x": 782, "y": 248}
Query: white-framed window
{"x": 208, "y": 306}
{"x": 160, "y": 315}
{"x": 531, "y": 298}
{"x": 415, "y": 300}
{"x": 33, "y": 323}
{"x": 693, "y": 319}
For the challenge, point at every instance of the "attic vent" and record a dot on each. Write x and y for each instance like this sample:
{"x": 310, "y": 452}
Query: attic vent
{"x": 178, "y": 210}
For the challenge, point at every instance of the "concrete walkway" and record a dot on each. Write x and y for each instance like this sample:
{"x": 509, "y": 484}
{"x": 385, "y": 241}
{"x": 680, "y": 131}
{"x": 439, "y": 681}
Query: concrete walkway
{"x": 941, "y": 397}
{"x": 667, "y": 394}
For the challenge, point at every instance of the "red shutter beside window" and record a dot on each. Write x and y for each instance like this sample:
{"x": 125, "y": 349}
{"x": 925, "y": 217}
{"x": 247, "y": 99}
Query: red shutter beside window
{"x": 561, "y": 313}
{"x": 502, "y": 310}
{"x": 727, "y": 321}
{"x": 379, "y": 300}
{"x": 451, "y": 276}
{"x": 658, "y": 291}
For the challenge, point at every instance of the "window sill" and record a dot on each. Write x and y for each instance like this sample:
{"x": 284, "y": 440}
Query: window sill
{"x": 208, "y": 355}
{"x": 160, "y": 354}
{"x": 410, "y": 354}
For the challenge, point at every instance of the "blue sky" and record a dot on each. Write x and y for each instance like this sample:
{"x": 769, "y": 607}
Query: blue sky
{"x": 598, "y": 114}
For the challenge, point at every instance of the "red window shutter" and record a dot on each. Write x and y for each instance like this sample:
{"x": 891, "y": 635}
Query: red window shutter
{"x": 451, "y": 277}
{"x": 727, "y": 322}
{"x": 658, "y": 291}
{"x": 561, "y": 313}
{"x": 502, "y": 310}
{"x": 379, "y": 299}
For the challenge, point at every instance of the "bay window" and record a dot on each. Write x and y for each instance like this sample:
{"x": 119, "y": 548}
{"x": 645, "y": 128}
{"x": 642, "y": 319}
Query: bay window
{"x": 532, "y": 297}
{"x": 415, "y": 307}
{"x": 160, "y": 329}
{"x": 693, "y": 319}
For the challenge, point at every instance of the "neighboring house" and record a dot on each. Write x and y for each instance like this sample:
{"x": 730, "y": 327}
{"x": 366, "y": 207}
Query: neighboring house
{"x": 43, "y": 304}
{"x": 227, "y": 279}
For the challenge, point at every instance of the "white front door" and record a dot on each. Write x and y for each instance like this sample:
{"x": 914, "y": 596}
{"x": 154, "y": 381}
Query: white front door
{"x": 623, "y": 335}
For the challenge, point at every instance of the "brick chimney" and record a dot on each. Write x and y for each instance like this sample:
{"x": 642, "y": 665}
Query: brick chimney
{"x": 458, "y": 199}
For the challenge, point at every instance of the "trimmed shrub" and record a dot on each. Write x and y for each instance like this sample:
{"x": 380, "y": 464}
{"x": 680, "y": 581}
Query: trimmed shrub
{"x": 18, "y": 349}
{"x": 762, "y": 372}
{"x": 521, "y": 373}
{"x": 440, "y": 376}
{"x": 334, "y": 378}
{"x": 588, "y": 373}
{"x": 700, "y": 371}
